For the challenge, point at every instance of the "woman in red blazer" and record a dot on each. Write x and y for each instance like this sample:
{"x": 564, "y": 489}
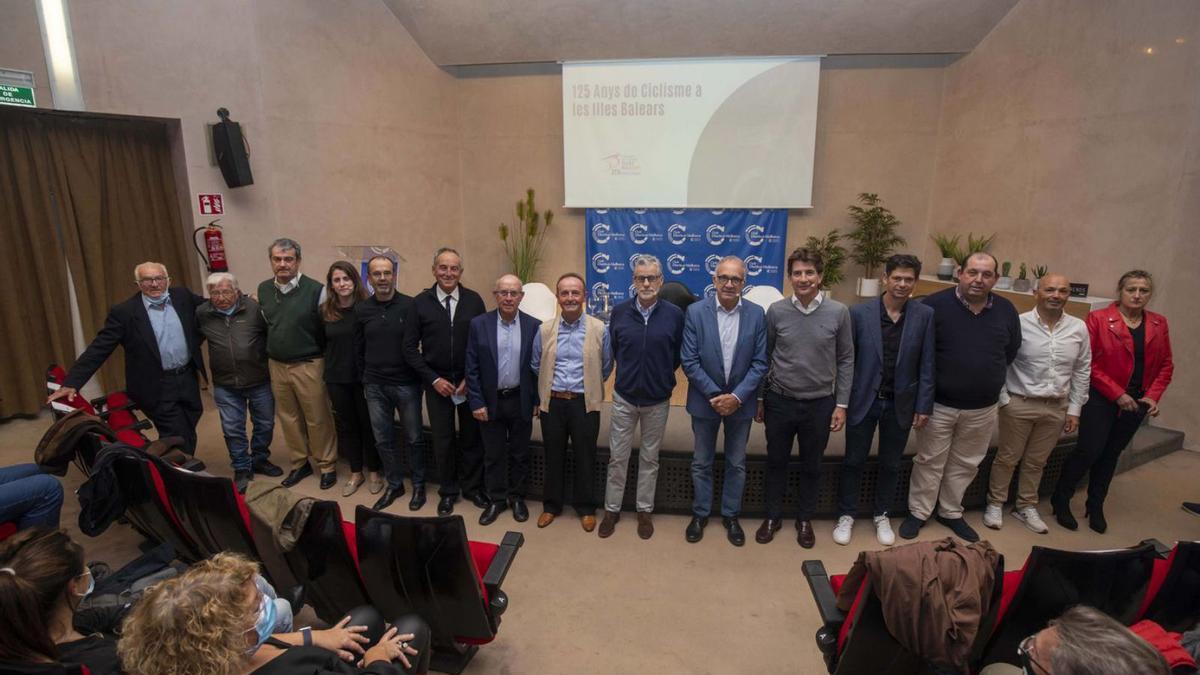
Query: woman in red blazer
{"x": 1131, "y": 368}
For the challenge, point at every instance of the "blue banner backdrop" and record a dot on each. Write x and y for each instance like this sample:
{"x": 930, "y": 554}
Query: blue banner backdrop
{"x": 689, "y": 242}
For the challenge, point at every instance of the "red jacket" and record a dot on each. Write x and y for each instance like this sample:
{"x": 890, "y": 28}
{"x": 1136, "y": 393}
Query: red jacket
{"x": 1112, "y": 353}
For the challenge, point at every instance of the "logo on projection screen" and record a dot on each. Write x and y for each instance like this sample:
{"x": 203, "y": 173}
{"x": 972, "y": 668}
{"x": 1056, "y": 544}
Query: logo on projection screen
{"x": 622, "y": 164}
{"x": 600, "y": 263}
{"x": 711, "y": 262}
{"x": 716, "y": 235}
{"x": 754, "y": 265}
{"x": 639, "y": 233}
{"x": 676, "y": 263}
{"x": 677, "y": 234}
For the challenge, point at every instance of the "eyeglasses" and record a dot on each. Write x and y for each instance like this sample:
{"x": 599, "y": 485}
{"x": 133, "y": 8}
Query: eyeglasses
{"x": 647, "y": 278}
{"x": 1025, "y": 653}
{"x": 509, "y": 294}
{"x": 153, "y": 280}
{"x": 723, "y": 280}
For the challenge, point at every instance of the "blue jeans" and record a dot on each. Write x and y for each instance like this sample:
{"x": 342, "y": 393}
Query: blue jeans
{"x": 29, "y": 497}
{"x": 892, "y": 439}
{"x": 383, "y": 400}
{"x": 737, "y": 433}
{"x": 232, "y": 404}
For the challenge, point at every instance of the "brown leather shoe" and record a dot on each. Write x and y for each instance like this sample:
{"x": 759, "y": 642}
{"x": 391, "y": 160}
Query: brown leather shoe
{"x": 545, "y": 519}
{"x": 766, "y": 531}
{"x": 608, "y": 524}
{"x": 645, "y": 525}
{"x": 805, "y": 536}
{"x": 588, "y": 523}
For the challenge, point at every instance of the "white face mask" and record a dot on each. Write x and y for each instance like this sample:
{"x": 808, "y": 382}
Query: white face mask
{"x": 91, "y": 584}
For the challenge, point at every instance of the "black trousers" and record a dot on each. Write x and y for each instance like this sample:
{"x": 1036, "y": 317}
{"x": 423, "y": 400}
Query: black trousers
{"x": 506, "y": 450}
{"x": 570, "y": 420}
{"x": 1104, "y": 433}
{"x": 178, "y": 410}
{"x": 458, "y": 453}
{"x": 353, "y": 425}
{"x": 789, "y": 421}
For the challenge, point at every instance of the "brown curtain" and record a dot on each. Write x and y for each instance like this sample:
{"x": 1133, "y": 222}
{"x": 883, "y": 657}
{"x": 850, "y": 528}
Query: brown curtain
{"x": 115, "y": 204}
{"x": 35, "y": 319}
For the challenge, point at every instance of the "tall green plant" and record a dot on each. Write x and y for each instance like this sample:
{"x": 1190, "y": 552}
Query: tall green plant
{"x": 975, "y": 245}
{"x": 874, "y": 234}
{"x": 948, "y": 246}
{"x": 832, "y": 253}
{"x": 524, "y": 241}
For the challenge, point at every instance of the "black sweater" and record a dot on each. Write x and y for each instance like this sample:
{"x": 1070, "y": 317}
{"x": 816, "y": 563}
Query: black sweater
{"x": 972, "y": 350}
{"x": 379, "y": 341}
{"x": 431, "y": 347}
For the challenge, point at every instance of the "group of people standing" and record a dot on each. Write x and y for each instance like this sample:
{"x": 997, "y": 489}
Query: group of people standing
{"x": 333, "y": 361}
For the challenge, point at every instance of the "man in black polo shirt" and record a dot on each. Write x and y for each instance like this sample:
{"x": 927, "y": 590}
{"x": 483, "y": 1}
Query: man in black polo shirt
{"x": 435, "y": 344}
{"x": 389, "y": 383}
{"x": 976, "y": 336}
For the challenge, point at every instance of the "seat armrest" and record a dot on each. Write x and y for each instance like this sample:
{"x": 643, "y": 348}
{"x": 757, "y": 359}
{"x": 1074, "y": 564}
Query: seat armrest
{"x": 822, "y": 591}
{"x": 140, "y": 424}
{"x": 498, "y": 569}
{"x": 1161, "y": 550}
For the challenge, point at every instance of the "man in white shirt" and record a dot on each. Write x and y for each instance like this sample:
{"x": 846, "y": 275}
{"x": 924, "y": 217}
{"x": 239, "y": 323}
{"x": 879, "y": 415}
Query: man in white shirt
{"x": 1044, "y": 390}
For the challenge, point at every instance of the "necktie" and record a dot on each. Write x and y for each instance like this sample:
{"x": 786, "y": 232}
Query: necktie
{"x": 448, "y": 312}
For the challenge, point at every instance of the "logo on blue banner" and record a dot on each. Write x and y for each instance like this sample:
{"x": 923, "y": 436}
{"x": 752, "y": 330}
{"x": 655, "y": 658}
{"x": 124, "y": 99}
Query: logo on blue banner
{"x": 690, "y": 244}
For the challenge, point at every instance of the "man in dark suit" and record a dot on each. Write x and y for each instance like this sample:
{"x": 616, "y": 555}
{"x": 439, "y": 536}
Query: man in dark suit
{"x": 892, "y": 390}
{"x": 435, "y": 345}
{"x": 502, "y": 394}
{"x": 724, "y": 356}
{"x": 157, "y": 327}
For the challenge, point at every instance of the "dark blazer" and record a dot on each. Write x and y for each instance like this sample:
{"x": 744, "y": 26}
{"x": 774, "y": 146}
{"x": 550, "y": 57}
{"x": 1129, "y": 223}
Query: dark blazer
{"x": 128, "y": 325}
{"x": 483, "y": 363}
{"x": 705, "y": 368}
{"x": 432, "y": 346}
{"x": 914, "y": 381}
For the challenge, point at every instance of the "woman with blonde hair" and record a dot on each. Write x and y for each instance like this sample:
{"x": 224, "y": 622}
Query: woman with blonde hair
{"x": 213, "y": 620}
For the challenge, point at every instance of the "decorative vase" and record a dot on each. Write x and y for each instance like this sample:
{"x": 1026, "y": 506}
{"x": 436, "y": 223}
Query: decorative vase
{"x": 868, "y": 288}
{"x": 1021, "y": 285}
{"x": 945, "y": 270}
{"x": 1004, "y": 283}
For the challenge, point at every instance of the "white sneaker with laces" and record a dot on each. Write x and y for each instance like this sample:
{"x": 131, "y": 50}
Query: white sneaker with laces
{"x": 1032, "y": 519}
{"x": 841, "y": 533}
{"x": 993, "y": 517}
{"x": 883, "y": 531}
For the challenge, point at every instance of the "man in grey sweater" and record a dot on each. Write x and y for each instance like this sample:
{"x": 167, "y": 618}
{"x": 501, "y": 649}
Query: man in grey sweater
{"x": 810, "y": 350}
{"x": 236, "y": 332}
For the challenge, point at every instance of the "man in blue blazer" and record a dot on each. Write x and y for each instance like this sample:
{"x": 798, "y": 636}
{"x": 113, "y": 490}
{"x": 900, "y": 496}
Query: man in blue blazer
{"x": 502, "y": 392}
{"x": 893, "y": 389}
{"x": 157, "y": 329}
{"x": 724, "y": 356}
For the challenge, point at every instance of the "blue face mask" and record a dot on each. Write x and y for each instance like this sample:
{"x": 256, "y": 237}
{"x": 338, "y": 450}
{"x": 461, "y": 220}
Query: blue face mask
{"x": 265, "y": 623}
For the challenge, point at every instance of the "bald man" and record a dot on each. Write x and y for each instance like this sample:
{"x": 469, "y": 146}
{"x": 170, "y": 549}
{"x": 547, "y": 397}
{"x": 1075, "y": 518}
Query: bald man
{"x": 502, "y": 394}
{"x": 1044, "y": 390}
{"x": 157, "y": 328}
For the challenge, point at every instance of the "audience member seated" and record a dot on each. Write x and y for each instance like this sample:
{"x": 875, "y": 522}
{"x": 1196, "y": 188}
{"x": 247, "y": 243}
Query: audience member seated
{"x": 1084, "y": 641}
{"x": 28, "y": 497}
{"x": 42, "y": 581}
{"x": 214, "y": 620}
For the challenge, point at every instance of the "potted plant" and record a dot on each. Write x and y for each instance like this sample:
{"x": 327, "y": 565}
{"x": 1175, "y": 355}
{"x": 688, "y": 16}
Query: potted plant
{"x": 523, "y": 242}
{"x": 874, "y": 236}
{"x": 1039, "y": 272}
{"x": 951, "y": 252}
{"x": 1004, "y": 282}
{"x": 1021, "y": 283}
{"x": 832, "y": 253}
{"x": 975, "y": 245}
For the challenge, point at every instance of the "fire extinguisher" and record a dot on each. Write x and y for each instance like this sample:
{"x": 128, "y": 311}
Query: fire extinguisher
{"x": 214, "y": 246}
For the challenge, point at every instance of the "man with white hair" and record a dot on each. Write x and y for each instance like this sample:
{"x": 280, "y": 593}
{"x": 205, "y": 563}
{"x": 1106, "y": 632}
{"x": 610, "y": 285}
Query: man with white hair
{"x": 157, "y": 328}
{"x": 236, "y": 332}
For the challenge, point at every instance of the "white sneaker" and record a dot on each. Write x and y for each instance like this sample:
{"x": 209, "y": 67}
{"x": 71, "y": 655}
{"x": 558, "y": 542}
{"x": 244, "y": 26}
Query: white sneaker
{"x": 993, "y": 517}
{"x": 1032, "y": 519}
{"x": 883, "y": 531}
{"x": 841, "y": 533}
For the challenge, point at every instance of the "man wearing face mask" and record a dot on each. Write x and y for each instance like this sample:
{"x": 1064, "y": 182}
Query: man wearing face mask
{"x": 157, "y": 329}
{"x": 237, "y": 354}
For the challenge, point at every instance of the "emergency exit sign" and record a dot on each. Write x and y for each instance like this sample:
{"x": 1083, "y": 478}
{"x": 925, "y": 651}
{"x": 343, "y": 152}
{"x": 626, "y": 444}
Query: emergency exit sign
{"x": 17, "y": 95}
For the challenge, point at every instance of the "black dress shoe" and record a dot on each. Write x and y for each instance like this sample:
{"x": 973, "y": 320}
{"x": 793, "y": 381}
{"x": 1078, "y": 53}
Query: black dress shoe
{"x": 297, "y": 475}
{"x": 766, "y": 531}
{"x": 328, "y": 479}
{"x": 733, "y": 531}
{"x": 418, "y": 498}
{"x": 960, "y": 528}
{"x": 389, "y": 495}
{"x": 479, "y": 499}
{"x": 1096, "y": 520}
{"x": 266, "y": 468}
{"x": 520, "y": 511}
{"x": 1062, "y": 513}
{"x": 911, "y": 527}
{"x": 805, "y": 535}
{"x": 695, "y": 529}
{"x": 446, "y": 505}
{"x": 492, "y": 512}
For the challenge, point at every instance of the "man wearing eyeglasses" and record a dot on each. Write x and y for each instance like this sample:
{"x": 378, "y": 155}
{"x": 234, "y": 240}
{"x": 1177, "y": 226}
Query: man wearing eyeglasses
{"x": 645, "y": 335}
{"x": 724, "y": 355}
{"x": 157, "y": 328}
{"x": 502, "y": 393}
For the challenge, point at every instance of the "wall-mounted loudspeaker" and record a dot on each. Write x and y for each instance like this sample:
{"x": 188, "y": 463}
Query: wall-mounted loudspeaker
{"x": 230, "y": 148}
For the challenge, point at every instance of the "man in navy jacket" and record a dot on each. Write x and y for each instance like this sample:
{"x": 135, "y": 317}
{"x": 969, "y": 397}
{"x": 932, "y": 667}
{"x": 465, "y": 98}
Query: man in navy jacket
{"x": 645, "y": 336}
{"x": 502, "y": 394}
{"x": 893, "y": 390}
